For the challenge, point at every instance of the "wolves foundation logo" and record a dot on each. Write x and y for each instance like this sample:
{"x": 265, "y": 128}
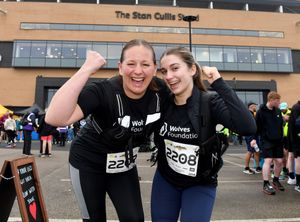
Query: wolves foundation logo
{"x": 163, "y": 129}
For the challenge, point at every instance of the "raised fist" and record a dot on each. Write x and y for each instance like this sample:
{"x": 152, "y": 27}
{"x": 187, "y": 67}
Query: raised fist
{"x": 93, "y": 62}
{"x": 211, "y": 73}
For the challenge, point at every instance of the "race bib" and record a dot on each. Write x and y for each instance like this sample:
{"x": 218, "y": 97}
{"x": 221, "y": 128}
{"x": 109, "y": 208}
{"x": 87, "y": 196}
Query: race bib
{"x": 182, "y": 157}
{"x": 115, "y": 162}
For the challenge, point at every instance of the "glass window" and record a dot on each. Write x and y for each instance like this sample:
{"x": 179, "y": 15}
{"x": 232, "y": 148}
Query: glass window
{"x": 49, "y": 94}
{"x": 230, "y": 54}
{"x": 257, "y": 55}
{"x": 130, "y": 29}
{"x": 86, "y": 27}
{"x": 197, "y": 31}
{"x": 57, "y": 26}
{"x": 271, "y": 34}
{"x": 243, "y": 54}
{"x": 166, "y": 30}
{"x": 216, "y": 54}
{"x": 251, "y": 33}
{"x": 101, "y": 48}
{"x": 212, "y": 32}
{"x": 256, "y": 97}
{"x": 115, "y": 28}
{"x": 270, "y": 56}
{"x": 53, "y": 50}
{"x": 42, "y": 26}
{"x": 38, "y": 50}
{"x": 225, "y": 32}
{"x": 253, "y": 96}
{"x": 202, "y": 54}
{"x": 73, "y": 54}
{"x": 182, "y": 30}
{"x": 284, "y": 56}
{"x": 22, "y": 49}
{"x": 149, "y": 29}
{"x": 159, "y": 49}
{"x": 114, "y": 51}
{"x": 82, "y": 48}
{"x": 101, "y": 28}
{"x": 239, "y": 32}
{"x": 72, "y": 27}
{"x": 27, "y": 26}
{"x": 241, "y": 95}
{"x": 69, "y": 50}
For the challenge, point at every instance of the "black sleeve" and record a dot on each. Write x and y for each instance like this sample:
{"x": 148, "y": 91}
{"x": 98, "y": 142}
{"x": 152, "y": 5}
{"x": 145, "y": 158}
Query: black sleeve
{"x": 91, "y": 98}
{"x": 230, "y": 111}
{"x": 41, "y": 123}
{"x": 292, "y": 133}
{"x": 258, "y": 123}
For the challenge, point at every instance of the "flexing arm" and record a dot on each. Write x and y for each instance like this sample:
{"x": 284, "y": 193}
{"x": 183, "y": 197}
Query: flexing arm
{"x": 63, "y": 109}
{"x": 227, "y": 108}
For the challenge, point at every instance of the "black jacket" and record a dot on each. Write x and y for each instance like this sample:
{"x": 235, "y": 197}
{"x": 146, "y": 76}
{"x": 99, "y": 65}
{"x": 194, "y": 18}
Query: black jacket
{"x": 44, "y": 128}
{"x": 225, "y": 108}
{"x": 269, "y": 126}
{"x": 294, "y": 139}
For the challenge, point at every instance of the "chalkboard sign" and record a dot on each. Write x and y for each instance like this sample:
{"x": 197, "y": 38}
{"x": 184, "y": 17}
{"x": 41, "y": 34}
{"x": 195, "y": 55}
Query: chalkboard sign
{"x": 19, "y": 178}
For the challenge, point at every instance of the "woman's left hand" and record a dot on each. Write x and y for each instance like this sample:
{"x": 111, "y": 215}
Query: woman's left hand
{"x": 211, "y": 73}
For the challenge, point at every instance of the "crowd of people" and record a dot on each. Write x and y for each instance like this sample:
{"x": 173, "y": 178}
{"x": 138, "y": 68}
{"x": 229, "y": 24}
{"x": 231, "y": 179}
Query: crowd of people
{"x": 19, "y": 129}
{"x": 276, "y": 144}
{"x": 122, "y": 112}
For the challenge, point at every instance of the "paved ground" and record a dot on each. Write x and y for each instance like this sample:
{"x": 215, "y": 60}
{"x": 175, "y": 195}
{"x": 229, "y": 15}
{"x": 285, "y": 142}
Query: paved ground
{"x": 239, "y": 196}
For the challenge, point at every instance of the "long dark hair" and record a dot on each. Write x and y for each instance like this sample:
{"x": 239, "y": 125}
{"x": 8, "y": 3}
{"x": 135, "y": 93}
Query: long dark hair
{"x": 141, "y": 42}
{"x": 189, "y": 60}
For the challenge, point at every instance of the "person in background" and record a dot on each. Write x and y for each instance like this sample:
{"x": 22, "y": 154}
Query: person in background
{"x": 180, "y": 186}
{"x": 10, "y": 129}
{"x": 45, "y": 130}
{"x": 223, "y": 134}
{"x": 63, "y": 130}
{"x": 285, "y": 112}
{"x": 294, "y": 141}
{"x": 2, "y": 130}
{"x": 70, "y": 134}
{"x": 19, "y": 130}
{"x": 28, "y": 129}
{"x": 251, "y": 151}
{"x": 270, "y": 131}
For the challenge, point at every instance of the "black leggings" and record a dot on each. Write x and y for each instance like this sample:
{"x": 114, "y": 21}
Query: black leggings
{"x": 11, "y": 136}
{"x": 122, "y": 188}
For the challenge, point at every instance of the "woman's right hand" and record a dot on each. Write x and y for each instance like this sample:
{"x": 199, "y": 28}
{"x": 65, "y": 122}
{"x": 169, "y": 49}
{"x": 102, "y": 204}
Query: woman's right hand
{"x": 93, "y": 62}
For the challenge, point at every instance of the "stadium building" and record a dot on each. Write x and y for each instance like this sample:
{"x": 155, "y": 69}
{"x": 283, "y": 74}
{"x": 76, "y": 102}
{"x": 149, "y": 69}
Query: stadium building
{"x": 255, "y": 44}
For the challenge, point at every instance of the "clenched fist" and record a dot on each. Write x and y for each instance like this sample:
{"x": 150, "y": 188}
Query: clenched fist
{"x": 211, "y": 73}
{"x": 93, "y": 62}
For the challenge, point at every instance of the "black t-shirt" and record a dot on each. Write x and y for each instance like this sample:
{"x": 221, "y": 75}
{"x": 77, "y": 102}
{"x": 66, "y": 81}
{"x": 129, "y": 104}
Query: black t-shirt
{"x": 89, "y": 149}
{"x": 175, "y": 136}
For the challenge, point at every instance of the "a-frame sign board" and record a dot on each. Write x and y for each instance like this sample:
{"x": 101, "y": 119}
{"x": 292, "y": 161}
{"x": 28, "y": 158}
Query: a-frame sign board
{"x": 19, "y": 178}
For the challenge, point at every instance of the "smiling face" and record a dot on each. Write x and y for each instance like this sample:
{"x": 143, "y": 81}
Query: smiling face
{"x": 178, "y": 76}
{"x": 137, "y": 70}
